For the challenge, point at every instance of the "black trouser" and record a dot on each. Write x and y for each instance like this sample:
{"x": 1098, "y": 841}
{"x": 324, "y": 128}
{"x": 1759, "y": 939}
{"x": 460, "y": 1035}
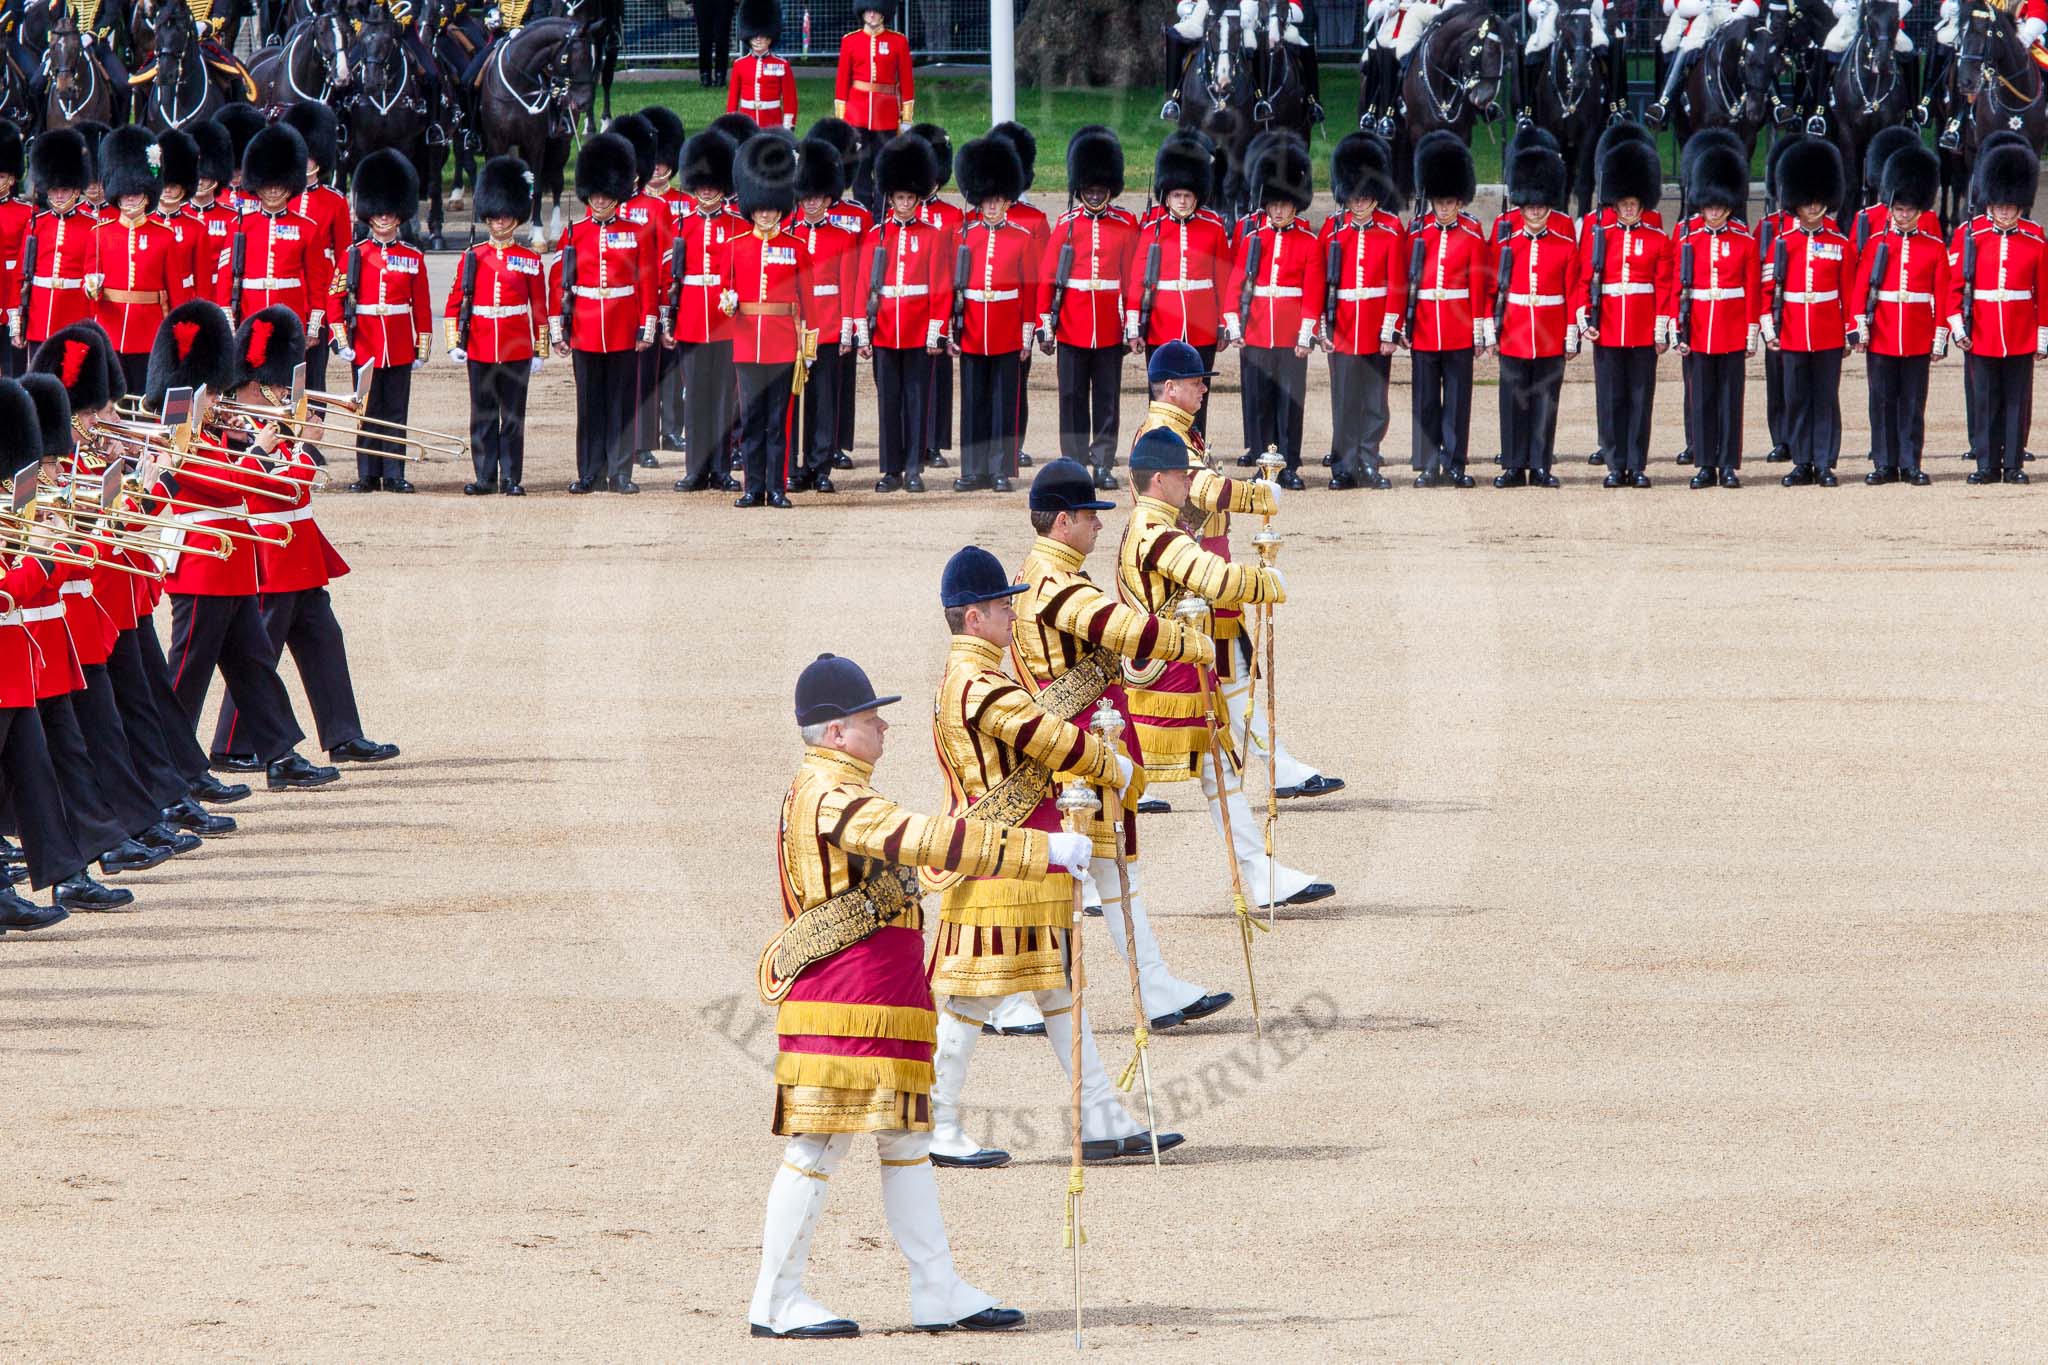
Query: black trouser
{"x": 13, "y": 364}
{"x": 304, "y": 623}
{"x": 988, "y": 414}
{"x": 99, "y": 720}
{"x": 604, "y": 414}
{"x": 148, "y": 747}
{"x": 316, "y": 373}
{"x": 1624, "y": 397}
{"x": 389, "y": 400}
{"x": 51, "y": 850}
{"x": 94, "y": 826}
{"x": 708, "y": 411}
{"x": 1813, "y": 408}
{"x": 714, "y": 38}
{"x": 940, "y": 429}
{"x": 135, "y": 369}
{"x": 497, "y": 420}
{"x": 849, "y": 379}
{"x": 1275, "y": 382}
{"x": 670, "y": 382}
{"x": 645, "y": 431}
{"x": 764, "y": 424}
{"x": 1774, "y": 396}
{"x": 1998, "y": 387}
{"x": 1090, "y": 377}
{"x": 825, "y": 392}
{"x": 1713, "y": 403}
{"x": 228, "y": 632}
{"x": 1358, "y": 411}
{"x": 1528, "y": 411}
{"x": 902, "y": 390}
{"x": 1898, "y": 410}
{"x": 865, "y": 191}
{"x": 181, "y": 739}
{"x": 1208, "y": 354}
{"x": 1023, "y": 423}
{"x": 1443, "y": 410}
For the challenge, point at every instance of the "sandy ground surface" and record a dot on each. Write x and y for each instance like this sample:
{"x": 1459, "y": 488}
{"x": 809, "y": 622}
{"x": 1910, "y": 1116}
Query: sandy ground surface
{"x": 1681, "y": 994}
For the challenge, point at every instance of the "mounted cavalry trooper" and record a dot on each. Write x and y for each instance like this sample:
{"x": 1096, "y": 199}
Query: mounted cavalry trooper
{"x": 224, "y": 64}
{"x": 1397, "y": 27}
{"x": 103, "y": 26}
{"x": 2031, "y": 24}
{"x": 1191, "y": 24}
{"x": 1692, "y": 23}
{"x": 1542, "y": 33}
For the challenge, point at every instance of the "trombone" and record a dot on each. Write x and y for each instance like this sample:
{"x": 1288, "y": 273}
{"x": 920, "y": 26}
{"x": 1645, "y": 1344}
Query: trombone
{"x": 20, "y": 535}
{"x": 176, "y": 443}
{"x": 431, "y": 445}
{"x": 99, "y": 526}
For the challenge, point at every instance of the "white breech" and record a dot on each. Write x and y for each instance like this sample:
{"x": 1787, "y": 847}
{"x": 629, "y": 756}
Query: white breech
{"x": 1266, "y": 881}
{"x": 1163, "y": 992}
{"x": 1244, "y": 708}
{"x": 2030, "y": 31}
{"x": 1416, "y": 21}
{"x": 1599, "y": 23}
{"x": 1701, "y": 29}
{"x": 1674, "y": 29}
{"x": 1248, "y": 24}
{"x": 1945, "y": 23}
{"x": 960, "y": 1021}
{"x": 1545, "y": 31}
{"x": 1844, "y": 32}
{"x": 1193, "y": 19}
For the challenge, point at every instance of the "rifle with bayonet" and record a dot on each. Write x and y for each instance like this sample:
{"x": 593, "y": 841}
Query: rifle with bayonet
{"x": 1685, "y": 293}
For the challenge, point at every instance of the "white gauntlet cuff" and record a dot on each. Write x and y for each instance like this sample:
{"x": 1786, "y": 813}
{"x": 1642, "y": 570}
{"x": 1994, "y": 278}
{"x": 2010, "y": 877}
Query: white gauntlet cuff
{"x": 932, "y": 330}
{"x": 1308, "y": 332}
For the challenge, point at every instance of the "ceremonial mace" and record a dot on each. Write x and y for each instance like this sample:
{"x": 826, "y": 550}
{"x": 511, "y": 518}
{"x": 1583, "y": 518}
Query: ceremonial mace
{"x": 1267, "y": 543}
{"x": 1075, "y": 798}
{"x": 1191, "y": 610}
{"x": 1108, "y": 726}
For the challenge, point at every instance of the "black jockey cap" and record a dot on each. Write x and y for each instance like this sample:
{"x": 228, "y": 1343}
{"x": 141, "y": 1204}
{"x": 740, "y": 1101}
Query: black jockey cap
{"x": 1063, "y": 485}
{"x": 973, "y": 576}
{"x": 1176, "y": 360}
{"x": 832, "y": 688}
{"x": 1162, "y": 449}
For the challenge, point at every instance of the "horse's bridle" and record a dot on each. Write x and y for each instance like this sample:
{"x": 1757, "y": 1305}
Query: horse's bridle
{"x": 69, "y": 108}
{"x": 1571, "y": 91}
{"x": 1446, "y": 109}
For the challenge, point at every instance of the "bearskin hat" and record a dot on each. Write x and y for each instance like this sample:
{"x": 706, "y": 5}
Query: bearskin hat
{"x": 646, "y": 146}
{"x": 764, "y": 177}
{"x": 94, "y": 132}
{"x": 177, "y": 159}
{"x": 1536, "y": 179}
{"x": 942, "y": 148}
{"x": 1183, "y": 164}
{"x": 1632, "y": 170}
{"x": 1024, "y": 142}
{"x": 905, "y": 167}
{"x": 386, "y": 183}
{"x": 1358, "y": 168}
{"x": 82, "y": 357}
{"x": 760, "y": 19}
{"x": 217, "y": 158}
{"x": 1530, "y": 138}
{"x": 1283, "y": 172}
{"x": 1626, "y": 131}
{"x": 1095, "y": 161}
{"x": 668, "y": 134}
{"x": 269, "y": 345}
{"x": 60, "y": 161}
{"x": 49, "y": 411}
{"x": 988, "y": 168}
{"x": 321, "y": 130}
{"x": 606, "y": 166}
{"x": 736, "y": 127}
{"x": 1771, "y": 160}
{"x": 195, "y": 346}
{"x": 129, "y": 164}
{"x": 1704, "y": 141}
{"x": 1811, "y": 173}
{"x": 12, "y": 151}
{"x": 1883, "y": 143}
{"x": 885, "y": 8}
{"x": 819, "y": 172}
{"x": 1912, "y": 178}
{"x": 2007, "y": 175}
{"x": 242, "y": 122}
{"x": 707, "y": 163}
{"x": 1443, "y": 168}
{"x": 2003, "y": 137}
{"x": 504, "y": 189}
{"x": 275, "y": 159}
{"x": 1719, "y": 179}
{"x": 842, "y": 135}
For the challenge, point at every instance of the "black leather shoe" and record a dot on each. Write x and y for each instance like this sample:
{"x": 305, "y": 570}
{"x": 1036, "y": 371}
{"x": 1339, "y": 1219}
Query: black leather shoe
{"x": 2016, "y": 476}
{"x": 1021, "y": 1031}
{"x": 1918, "y": 478}
{"x": 987, "y": 1159}
{"x": 646, "y": 460}
{"x": 1342, "y": 483}
{"x": 936, "y": 459}
{"x": 515, "y": 490}
{"x": 802, "y": 482}
{"x": 363, "y": 486}
{"x": 398, "y": 486}
{"x": 1597, "y": 457}
{"x": 987, "y": 1320}
{"x": 1542, "y": 478}
{"x": 1425, "y": 481}
{"x": 236, "y": 763}
{"x": 1375, "y": 479}
{"x": 1462, "y": 480}
{"x": 1703, "y": 478}
{"x": 1137, "y": 1144}
{"x": 888, "y": 483}
{"x": 625, "y": 486}
{"x": 970, "y": 485}
{"x": 130, "y": 856}
{"x": 747, "y": 500}
{"x": 841, "y": 460}
{"x": 1317, "y": 785}
{"x": 999, "y": 484}
{"x": 1105, "y": 480}
{"x": 477, "y": 490}
{"x": 1642, "y": 481}
{"x": 1513, "y": 478}
{"x": 1685, "y": 456}
{"x": 292, "y": 771}
{"x": 1165, "y": 1021}
{"x": 211, "y": 788}
{"x": 823, "y": 484}
{"x": 1248, "y": 459}
{"x": 1800, "y": 476}
{"x": 1313, "y": 892}
{"x": 361, "y": 750}
{"x": 817, "y": 1331}
{"x": 1728, "y": 479}
{"x": 10, "y": 852}
{"x": 190, "y": 815}
{"x": 1979, "y": 476}
{"x": 16, "y": 913}
{"x": 1876, "y": 477}
{"x": 580, "y": 486}
{"x": 1023, "y": 461}
{"x": 1207, "y": 1005}
{"x": 80, "y": 892}
{"x": 1290, "y": 479}
{"x": 1828, "y": 480}
{"x": 171, "y": 842}
{"x": 1613, "y": 481}
{"x": 1778, "y": 455}
{"x": 1154, "y": 805}
{"x": 1329, "y": 458}
{"x": 913, "y": 483}
{"x": 778, "y": 498}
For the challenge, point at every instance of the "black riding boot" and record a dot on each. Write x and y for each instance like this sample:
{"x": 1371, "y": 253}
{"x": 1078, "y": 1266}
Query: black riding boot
{"x": 1658, "y": 114}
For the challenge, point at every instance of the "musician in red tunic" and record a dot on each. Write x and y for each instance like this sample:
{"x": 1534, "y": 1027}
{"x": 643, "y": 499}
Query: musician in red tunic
{"x": 277, "y": 255}
{"x": 15, "y": 211}
{"x": 700, "y": 333}
{"x": 497, "y": 321}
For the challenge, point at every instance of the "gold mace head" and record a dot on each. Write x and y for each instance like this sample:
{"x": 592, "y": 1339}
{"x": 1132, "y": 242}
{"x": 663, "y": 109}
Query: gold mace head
{"x": 1271, "y": 462}
{"x": 1106, "y": 720}
{"x": 1075, "y": 798}
{"x": 1191, "y": 608}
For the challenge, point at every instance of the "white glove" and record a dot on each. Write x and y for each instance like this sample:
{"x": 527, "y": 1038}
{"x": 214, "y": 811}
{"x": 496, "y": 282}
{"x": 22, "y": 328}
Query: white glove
{"x": 346, "y": 353}
{"x": 456, "y": 355}
{"x": 533, "y": 366}
{"x": 1769, "y": 329}
{"x": 1940, "y": 342}
{"x": 1125, "y": 771}
{"x": 1069, "y": 852}
{"x": 419, "y": 363}
{"x": 1281, "y": 579}
{"x": 2030, "y": 31}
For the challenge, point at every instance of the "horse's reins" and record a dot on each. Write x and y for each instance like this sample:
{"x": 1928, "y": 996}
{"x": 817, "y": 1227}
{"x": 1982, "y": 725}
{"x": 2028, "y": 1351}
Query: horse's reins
{"x": 92, "y": 67}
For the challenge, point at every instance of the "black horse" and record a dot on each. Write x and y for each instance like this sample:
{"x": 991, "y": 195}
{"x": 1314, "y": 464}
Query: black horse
{"x": 1733, "y": 85}
{"x": 186, "y": 89}
{"x": 310, "y": 64}
{"x": 1991, "y": 85}
{"x": 79, "y": 89}
{"x": 1868, "y": 92}
{"x": 604, "y": 22}
{"x": 387, "y": 106}
{"x": 1453, "y": 80}
{"x": 1232, "y": 93}
{"x": 535, "y": 86}
{"x": 1569, "y": 97}
{"x": 455, "y": 40}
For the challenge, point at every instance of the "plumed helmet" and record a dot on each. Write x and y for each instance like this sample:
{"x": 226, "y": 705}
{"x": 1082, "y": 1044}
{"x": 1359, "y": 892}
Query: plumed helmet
{"x": 764, "y": 177}
{"x": 707, "y": 163}
{"x": 1183, "y": 164}
{"x": 504, "y": 189}
{"x": 1536, "y": 179}
{"x": 1811, "y": 173}
{"x": 83, "y": 358}
{"x": 905, "y": 167}
{"x": 1443, "y": 168}
{"x": 1095, "y": 161}
{"x": 606, "y": 166}
{"x": 1026, "y": 143}
{"x": 177, "y": 159}
{"x": 1361, "y": 167}
{"x": 736, "y": 127}
{"x": 194, "y": 346}
{"x": 1632, "y": 170}
{"x": 269, "y": 345}
{"x": 2007, "y": 175}
{"x": 241, "y": 122}
{"x": 12, "y": 152}
{"x": 1885, "y": 141}
{"x": 942, "y": 149}
{"x": 217, "y": 156}
{"x": 1912, "y": 178}
{"x": 638, "y": 131}
{"x": 275, "y": 159}
{"x": 988, "y": 168}
{"x": 386, "y": 183}
{"x": 1282, "y": 172}
{"x": 59, "y": 161}
{"x": 668, "y": 134}
{"x": 1719, "y": 180}
{"x": 317, "y": 124}
{"x": 131, "y": 164}
{"x": 819, "y": 172}
{"x": 760, "y": 19}
{"x": 50, "y": 413}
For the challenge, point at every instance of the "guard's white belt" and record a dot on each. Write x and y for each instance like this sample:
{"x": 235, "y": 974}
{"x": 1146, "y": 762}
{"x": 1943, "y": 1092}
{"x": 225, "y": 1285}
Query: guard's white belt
{"x": 1355, "y": 295}
{"x": 760, "y": 104}
{"x": 291, "y": 514}
{"x": 990, "y": 295}
{"x": 498, "y": 310}
{"x": 77, "y": 587}
{"x": 1535, "y": 300}
{"x": 905, "y": 291}
{"x": 1095, "y": 286}
{"x": 382, "y": 310}
{"x": 10, "y": 618}
{"x": 293, "y": 283}
{"x": 49, "y": 613}
{"x": 1276, "y": 291}
{"x": 1441, "y": 295}
{"x": 240, "y": 509}
{"x": 610, "y": 291}
{"x": 1903, "y": 296}
{"x": 1811, "y": 296}
{"x": 825, "y": 290}
{"x": 1718, "y": 295}
{"x": 57, "y": 282}
{"x": 2003, "y": 295}
{"x": 700, "y": 279}
{"x": 1186, "y": 286}
{"x": 1612, "y": 289}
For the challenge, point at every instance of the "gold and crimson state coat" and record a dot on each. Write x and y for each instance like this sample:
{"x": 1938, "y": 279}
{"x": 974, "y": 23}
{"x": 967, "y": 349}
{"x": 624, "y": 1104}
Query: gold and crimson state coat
{"x": 854, "y": 1034}
{"x": 1065, "y": 621}
{"x": 1001, "y": 935}
{"x": 1156, "y": 563}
